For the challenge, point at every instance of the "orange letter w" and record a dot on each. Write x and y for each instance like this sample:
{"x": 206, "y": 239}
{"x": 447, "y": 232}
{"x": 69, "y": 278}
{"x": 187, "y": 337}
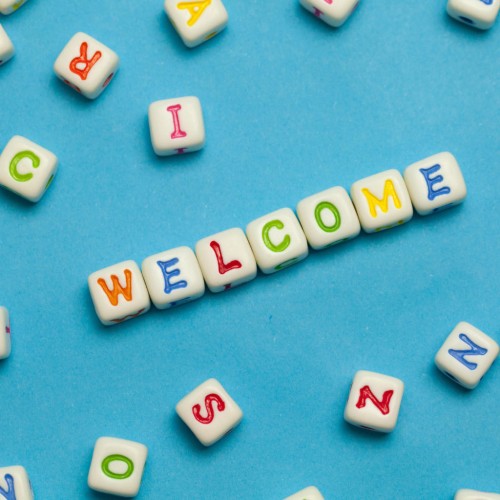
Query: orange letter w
{"x": 113, "y": 295}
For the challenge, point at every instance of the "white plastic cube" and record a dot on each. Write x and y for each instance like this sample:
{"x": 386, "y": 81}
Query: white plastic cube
{"x": 6, "y": 46}
{"x": 26, "y": 168}
{"x": 475, "y": 495}
{"x": 328, "y": 218}
{"x": 209, "y": 412}
{"x": 226, "y": 260}
{"x": 310, "y": 493}
{"x": 119, "y": 293}
{"x": 117, "y": 466}
{"x": 176, "y": 126}
{"x": 466, "y": 355}
{"x": 10, "y": 6}
{"x": 332, "y": 12}
{"x": 374, "y": 401}
{"x": 15, "y": 482}
{"x": 277, "y": 240}
{"x": 382, "y": 201}
{"x": 196, "y": 21}
{"x": 478, "y": 13}
{"x": 4, "y": 333}
{"x": 435, "y": 183}
{"x": 86, "y": 65}
{"x": 173, "y": 277}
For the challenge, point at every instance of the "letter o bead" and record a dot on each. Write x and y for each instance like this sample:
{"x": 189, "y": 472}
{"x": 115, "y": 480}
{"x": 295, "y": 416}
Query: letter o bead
{"x": 86, "y": 65}
{"x": 117, "y": 466}
{"x": 26, "y": 168}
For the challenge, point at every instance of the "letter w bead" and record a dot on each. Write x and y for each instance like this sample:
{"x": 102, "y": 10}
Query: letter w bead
{"x": 117, "y": 290}
{"x": 82, "y": 65}
{"x": 475, "y": 350}
{"x": 383, "y": 405}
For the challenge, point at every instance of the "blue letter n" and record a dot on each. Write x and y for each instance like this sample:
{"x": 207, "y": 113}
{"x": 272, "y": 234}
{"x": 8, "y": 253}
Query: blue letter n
{"x": 475, "y": 350}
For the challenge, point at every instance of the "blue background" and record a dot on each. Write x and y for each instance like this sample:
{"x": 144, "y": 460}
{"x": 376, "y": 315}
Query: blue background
{"x": 291, "y": 107}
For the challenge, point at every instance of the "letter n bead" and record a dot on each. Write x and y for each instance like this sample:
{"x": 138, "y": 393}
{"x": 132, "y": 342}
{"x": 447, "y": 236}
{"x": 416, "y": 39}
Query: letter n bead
{"x": 435, "y": 183}
{"x": 26, "y": 168}
{"x": 209, "y": 412}
{"x": 176, "y": 126}
{"x": 119, "y": 293}
{"x": 374, "y": 401}
{"x": 117, "y": 466}
{"x": 466, "y": 355}
{"x": 480, "y": 14}
{"x": 15, "y": 484}
{"x": 86, "y": 65}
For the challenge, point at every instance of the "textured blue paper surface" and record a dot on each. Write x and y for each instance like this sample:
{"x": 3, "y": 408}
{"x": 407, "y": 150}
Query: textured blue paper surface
{"x": 291, "y": 107}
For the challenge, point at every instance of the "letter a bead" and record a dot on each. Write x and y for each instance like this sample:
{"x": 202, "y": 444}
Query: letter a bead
{"x": 6, "y": 47}
{"x": 15, "y": 484}
{"x": 332, "y": 12}
{"x": 4, "y": 333}
{"x": 466, "y": 355}
{"x": 196, "y": 21}
{"x": 117, "y": 466}
{"x": 10, "y": 6}
{"x": 209, "y": 412}
{"x": 310, "y": 493}
{"x": 86, "y": 65}
{"x": 374, "y": 401}
{"x": 119, "y": 293}
{"x": 26, "y": 168}
{"x": 176, "y": 126}
{"x": 478, "y": 13}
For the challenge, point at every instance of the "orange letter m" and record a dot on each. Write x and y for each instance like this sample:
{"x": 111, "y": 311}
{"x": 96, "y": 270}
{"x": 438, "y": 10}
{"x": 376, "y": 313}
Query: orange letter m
{"x": 114, "y": 294}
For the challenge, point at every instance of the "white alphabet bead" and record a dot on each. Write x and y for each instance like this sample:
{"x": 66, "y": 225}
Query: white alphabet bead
{"x": 196, "y": 21}
{"x": 15, "y": 483}
{"x": 374, "y": 401}
{"x": 332, "y": 12}
{"x": 176, "y": 126}
{"x": 226, "y": 260}
{"x": 311, "y": 493}
{"x": 4, "y": 333}
{"x": 86, "y": 65}
{"x": 277, "y": 240}
{"x": 328, "y": 218}
{"x": 10, "y": 6}
{"x": 6, "y": 46}
{"x": 435, "y": 183}
{"x": 173, "y": 277}
{"x": 478, "y": 13}
{"x": 119, "y": 293}
{"x": 382, "y": 201}
{"x": 117, "y": 466}
{"x": 209, "y": 412}
{"x": 466, "y": 355}
{"x": 26, "y": 168}
{"x": 475, "y": 495}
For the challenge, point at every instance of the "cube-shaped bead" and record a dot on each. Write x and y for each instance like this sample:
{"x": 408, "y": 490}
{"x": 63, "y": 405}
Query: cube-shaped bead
{"x": 15, "y": 483}
{"x": 173, "y": 277}
{"x": 86, "y": 65}
{"x": 277, "y": 240}
{"x": 382, "y": 201}
{"x": 328, "y": 218}
{"x": 475, "y": 495}
{"x": 196, "y": 21}
{"x": 119, "y": 293}
{"x": 226, "y": 260}
{"x": 332, "y": 12}
{"x": 209, "y": 412}
{"x": 478, "y": 13}
{"x": 466, "y": 355}
{"x": 310, "y": 493}
{"x": 6, "y": 47}
{"x": 176, "y": 126}
{"x": 26, "y": 168}
{"x": 10, "y": 6}
{"x": 4, "y": 333}
{"x": 117, "y": 466}
{"x": 374, "y": 401}
{"x": 435, "y": 183}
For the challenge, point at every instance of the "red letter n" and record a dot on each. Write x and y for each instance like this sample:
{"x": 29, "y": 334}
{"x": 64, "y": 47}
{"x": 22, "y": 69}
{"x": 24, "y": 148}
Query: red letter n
{"x": 366, "y": 393}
